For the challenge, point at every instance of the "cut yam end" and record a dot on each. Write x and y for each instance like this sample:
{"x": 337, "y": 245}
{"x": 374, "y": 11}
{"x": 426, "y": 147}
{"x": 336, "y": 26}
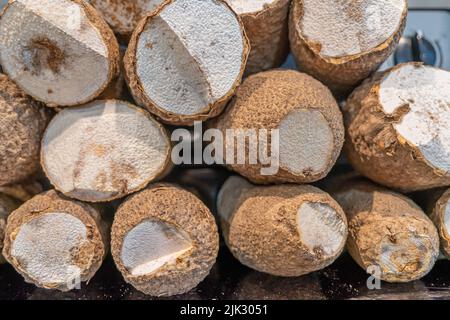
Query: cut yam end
{"x": 336, "y": 29}
{"x": 55, "y": 243}
{"x": 42, "y": 241}
{"x": 164, "y": 240}
{"x": 447, "y": 218}
{"x": 151, "y": 245}
{"x": 321, "y": 227}
{"x": 185, "y": 61}
{"x": 124, "y": 15}
{"x": 104, "y": 150}
{"x": 306, "y": 143}
{"x": 426, "y": 124}
{"x": 60, "y": 52}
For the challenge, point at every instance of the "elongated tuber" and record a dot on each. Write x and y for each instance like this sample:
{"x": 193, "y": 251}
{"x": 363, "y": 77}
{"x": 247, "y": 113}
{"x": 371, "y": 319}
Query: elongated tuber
{"x": 104, "y": 150}
{"x": 185, "y": 60}
{"x": 266, "y": 26}
{"x": 124, "y": 15}
{"x": 54, "y": 242}
{"x": 310, "y": 124}
{"x": 60, "y": 52}
{"x": 440, "y": 214}
{"x": 7, "y": 205}
{"x": 22, "y": 125}
{"x": 284, "y": 230}
{"x": 398, "y": 128}
{"x": 341, "y": 43}
{"x": 389, "y": 235}
{"x": 164, "y": 240}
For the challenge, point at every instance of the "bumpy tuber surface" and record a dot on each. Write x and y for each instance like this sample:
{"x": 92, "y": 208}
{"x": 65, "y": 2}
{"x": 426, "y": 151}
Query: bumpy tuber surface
{"x": 104, "y": 150}
{"x": 164, "y": 240}
{"x": 124, "y": 15}
{"x": 60, "y": 52}
{"x": 311, "y": 129}
{"x": 281, "y": 230}
{"x": 266, "y": 26}
{"x": 22, "y": 125}
{"x": 398, "y": 126}
{"x": 54, "y": 242}
{"x": 186, "y": 59}
{"x": 388, "y": 232}
{"x": 440, "y": 215}
{"x": 342, "y": 42}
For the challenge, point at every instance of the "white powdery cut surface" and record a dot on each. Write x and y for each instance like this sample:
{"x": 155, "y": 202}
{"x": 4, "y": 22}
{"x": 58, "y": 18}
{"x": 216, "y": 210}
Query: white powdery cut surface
{"x": 51, "y": 49}
{"x": 343, "y": 28}
{"x": 151, "y": 245}
{"x": 249, "y": 6}
{"x": 306, "y": 142}
{"x": 44, "y": 247}
{"x": 320, "y": 227}
{"x": 426, "y": 126}
{"x": 190, "y": 55}
{"x": 102, "y": 150}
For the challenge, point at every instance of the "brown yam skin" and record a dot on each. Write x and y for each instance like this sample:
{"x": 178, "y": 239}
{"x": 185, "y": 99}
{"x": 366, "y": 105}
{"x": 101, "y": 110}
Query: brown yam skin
{"x": 141, "y": 98}
{"x": 22, "y": 124}
{"x": 264, "y": 100}
{"x": 262, "y": 232}
{"x": 88, "y": 258}
{"x": 379, "y": 218}
{"x": 438, "y": 217}
{"x": 374, "y": 148}
{"x": 180, "y": 208}
{"x": 7, "y": 205}
{"x": 267, "y": 31}
{"x": 342, "y": 74}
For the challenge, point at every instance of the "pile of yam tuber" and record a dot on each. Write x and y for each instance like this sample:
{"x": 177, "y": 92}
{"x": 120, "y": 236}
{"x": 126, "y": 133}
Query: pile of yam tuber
{"x": 70, "y": 150}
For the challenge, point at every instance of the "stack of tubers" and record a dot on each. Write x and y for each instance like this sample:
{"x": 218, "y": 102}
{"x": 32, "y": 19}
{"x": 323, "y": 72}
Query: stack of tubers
{"x": 189, "y": 61}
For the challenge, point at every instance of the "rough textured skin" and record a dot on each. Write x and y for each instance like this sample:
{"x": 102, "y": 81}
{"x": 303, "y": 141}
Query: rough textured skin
{"x": 262, "y": 232}
{"x": 264, "y": 100}
{"x": 374, "y": 147}
{"x": 342, "y": 74}
{"x": 7, "y": 205}
{"x": 438, "y": 217}
{"x": 22, "y": 124}
{"x": 111, "y": 44}
{"x": 387, "y": 230}
{"x": 123, "y": 15}
{"x": 267, "y": 31}
{"x": 88, "y": 259}
{"x": 22, "y": 191}
{"x": 177, "y": 207}
{"x": 142, "y": 99}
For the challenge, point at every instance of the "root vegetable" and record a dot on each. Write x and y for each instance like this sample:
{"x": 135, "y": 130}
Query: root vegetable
{"x": 284, "y": 230}
{"x": 387, "y": 231}
{"x": 53, "y": 242}
{"x": 398, "y": 126}
{"x": 104, "y": 150}
{"x": 124, "y": 15}
{"x": 23, "y": 191}
{"x": 164, "y": 240}
{"x": 311, "y": 129}
{"x": 440, "y": 215}
{"x": 60, "y": 52}
{"x": 186, "y": 59}
{"x": 266, "y": 26}
{"x": 22, "y": 124}
{"x": 342, "y": 42}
